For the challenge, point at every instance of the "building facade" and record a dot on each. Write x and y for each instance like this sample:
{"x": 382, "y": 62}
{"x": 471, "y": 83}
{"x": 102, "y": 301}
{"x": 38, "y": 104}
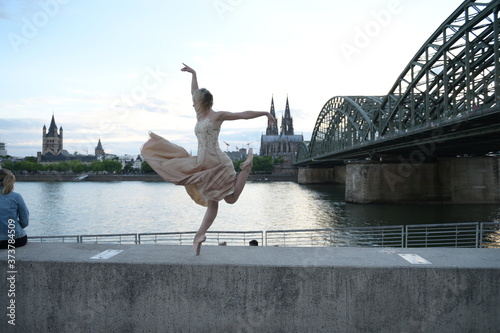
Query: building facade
{"x": 53, "y": 148}
{"x": 283, "y": 144}
{"x": 52, "y": 140}
{"x": 3, "y": 149}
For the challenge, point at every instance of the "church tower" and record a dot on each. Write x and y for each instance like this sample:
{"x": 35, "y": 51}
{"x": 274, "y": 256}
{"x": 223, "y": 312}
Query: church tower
{"x": 272, "y": 129}
{"x": 99, "y": 151}
{"x": 284, "y": 144}
{"x": 52, "y": 141}
{"x": 287, "y": 121}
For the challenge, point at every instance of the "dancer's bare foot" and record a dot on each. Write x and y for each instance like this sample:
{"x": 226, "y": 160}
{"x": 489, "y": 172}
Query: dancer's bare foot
{"x": 248, "y": 164}
{"x": 197, "y": 243}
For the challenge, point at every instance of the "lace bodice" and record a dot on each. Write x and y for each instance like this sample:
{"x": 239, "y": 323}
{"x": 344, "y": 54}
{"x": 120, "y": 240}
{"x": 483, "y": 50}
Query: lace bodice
{"x": 208, "y": 136}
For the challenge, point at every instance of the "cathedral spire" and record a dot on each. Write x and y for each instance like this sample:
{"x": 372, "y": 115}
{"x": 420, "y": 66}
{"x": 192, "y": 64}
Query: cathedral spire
{"x": 273, "y": 113}
{"x": 287, "y": 109}
{"x": 287, "y": 121}
{"x": 272, "y": 129}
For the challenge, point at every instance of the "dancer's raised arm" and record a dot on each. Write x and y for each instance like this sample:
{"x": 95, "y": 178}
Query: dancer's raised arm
{"x": 194, "y": 79}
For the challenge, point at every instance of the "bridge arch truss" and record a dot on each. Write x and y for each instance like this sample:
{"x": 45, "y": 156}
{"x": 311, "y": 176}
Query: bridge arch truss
{"x": 453, "y": 76}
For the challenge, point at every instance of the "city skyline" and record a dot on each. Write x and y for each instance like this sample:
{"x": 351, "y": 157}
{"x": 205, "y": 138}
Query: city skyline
{"x": 111, "y": 70}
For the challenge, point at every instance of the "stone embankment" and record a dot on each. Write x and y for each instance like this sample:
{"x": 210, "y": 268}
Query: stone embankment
{"x": 140, "y": 177}
{"x": 98, "y": 178}
{"x": 64, "y": 287}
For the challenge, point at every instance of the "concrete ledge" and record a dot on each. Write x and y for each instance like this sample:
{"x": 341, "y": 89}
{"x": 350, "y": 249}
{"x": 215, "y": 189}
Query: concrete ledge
{"x": 153, "y": 288}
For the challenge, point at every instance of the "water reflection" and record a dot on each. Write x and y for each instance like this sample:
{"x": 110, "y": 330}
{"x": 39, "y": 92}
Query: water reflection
{"x": 135, "y": 207}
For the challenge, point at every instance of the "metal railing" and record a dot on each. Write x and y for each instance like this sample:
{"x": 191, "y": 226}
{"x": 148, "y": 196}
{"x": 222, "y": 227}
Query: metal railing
{"x": 239, "y": 238}
{"x": 55, "y": 239}
{"x": 471, "y": 235}
{"x": 109, "y": 239}
{"x": 387, "y": 236}
{"x": 443, "y": 235}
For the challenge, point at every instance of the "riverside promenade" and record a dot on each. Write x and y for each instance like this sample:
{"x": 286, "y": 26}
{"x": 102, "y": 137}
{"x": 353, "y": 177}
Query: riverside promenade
{"x": 74, "y": 287}
{"x": 135, "y": 177}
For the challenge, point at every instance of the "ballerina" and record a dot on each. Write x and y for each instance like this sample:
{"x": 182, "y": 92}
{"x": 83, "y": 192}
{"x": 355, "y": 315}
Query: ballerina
{"x": 208, "y": 177}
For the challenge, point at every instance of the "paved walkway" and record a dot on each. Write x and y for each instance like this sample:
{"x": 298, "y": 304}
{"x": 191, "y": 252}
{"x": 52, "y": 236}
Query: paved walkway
{"x": 263, "y": 256}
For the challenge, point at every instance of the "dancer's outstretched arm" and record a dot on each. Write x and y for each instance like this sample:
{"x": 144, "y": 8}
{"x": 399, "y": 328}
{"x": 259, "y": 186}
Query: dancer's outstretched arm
{"x": 194, "y": 79}
{"x": 221, "y": 116}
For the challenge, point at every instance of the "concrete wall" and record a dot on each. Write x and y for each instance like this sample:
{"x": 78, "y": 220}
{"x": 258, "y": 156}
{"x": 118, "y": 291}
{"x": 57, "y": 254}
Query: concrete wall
{"x": 153, "y": 288}
{"x": 471, "y": 179}
{"x": 322, "y": 175}
{"x": 448, "y": 180}
{"x": 370, "y": 182}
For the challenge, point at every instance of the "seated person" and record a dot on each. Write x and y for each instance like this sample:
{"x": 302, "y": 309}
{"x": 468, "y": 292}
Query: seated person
{"x": 14, "y": 215}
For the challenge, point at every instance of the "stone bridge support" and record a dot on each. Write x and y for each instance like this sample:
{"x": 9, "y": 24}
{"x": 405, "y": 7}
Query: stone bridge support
{"x": 322, "y": 175}
{"x": 474, "y": 180}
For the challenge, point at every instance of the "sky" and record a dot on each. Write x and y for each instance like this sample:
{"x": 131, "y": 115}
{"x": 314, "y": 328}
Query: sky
{"x": 110, "y": 69}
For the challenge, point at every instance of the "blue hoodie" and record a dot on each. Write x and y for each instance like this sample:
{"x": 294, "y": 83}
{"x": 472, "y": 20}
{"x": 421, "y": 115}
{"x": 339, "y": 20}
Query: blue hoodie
{"x": 13, "y": 215}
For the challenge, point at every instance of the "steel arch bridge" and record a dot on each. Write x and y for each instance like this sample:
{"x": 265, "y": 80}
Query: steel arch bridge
{"x": 447, "y": 98}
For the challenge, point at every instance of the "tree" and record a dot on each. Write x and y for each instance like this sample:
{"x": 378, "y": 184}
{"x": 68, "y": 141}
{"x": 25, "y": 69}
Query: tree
{"x": 62, "y": 167}
{"x": 146, "y": 168}
{"x": 279, "y": 160}
{"x": 263, "y": 164}
{"x": 129, "y": 167}
{"x": 9, "y": 165}
{"x": 26, "y": 166}
{"x": 78, "y": 167}
{"x": 112, "y": 166}
{"x": 96, "y": 166}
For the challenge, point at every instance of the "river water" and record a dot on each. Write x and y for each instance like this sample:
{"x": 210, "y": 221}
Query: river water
{"x": 73, "y": 208}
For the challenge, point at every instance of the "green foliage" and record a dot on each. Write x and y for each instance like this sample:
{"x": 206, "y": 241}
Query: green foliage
{"x": 279, "y": 160}
{"x": 8, "y": 165}
{"x": 146, "y": 168}
{"x": 236, "y": 165}
{"x": 129, "y": 167}
{"x": 96, "y": 166}
{"x": 79, "y": 167}
{"x": 73, "y": 165}
{"x": 112, "y": 166}
{"x": 107, "y": 165}
{"x": 26, "y": 166}
{"x": 262, "y": 164}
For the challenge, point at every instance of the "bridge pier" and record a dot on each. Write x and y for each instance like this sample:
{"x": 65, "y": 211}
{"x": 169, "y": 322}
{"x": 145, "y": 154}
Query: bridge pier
{"x": 321, "y": 175}
{"x": 473, "y": 180}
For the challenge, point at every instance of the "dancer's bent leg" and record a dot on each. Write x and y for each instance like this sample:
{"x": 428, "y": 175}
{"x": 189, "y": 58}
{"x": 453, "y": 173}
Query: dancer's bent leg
{"x": 208, "y": 219}
{"x": 241, "y": 179}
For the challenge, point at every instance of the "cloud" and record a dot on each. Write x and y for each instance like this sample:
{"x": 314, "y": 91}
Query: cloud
{"x": 19, "y": 124}
{"x": 4, "y": 15}
{"x": 150, "y": 104}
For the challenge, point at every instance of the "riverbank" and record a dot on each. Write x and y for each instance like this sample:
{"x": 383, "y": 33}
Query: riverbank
{"x": 133, "y": 177}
